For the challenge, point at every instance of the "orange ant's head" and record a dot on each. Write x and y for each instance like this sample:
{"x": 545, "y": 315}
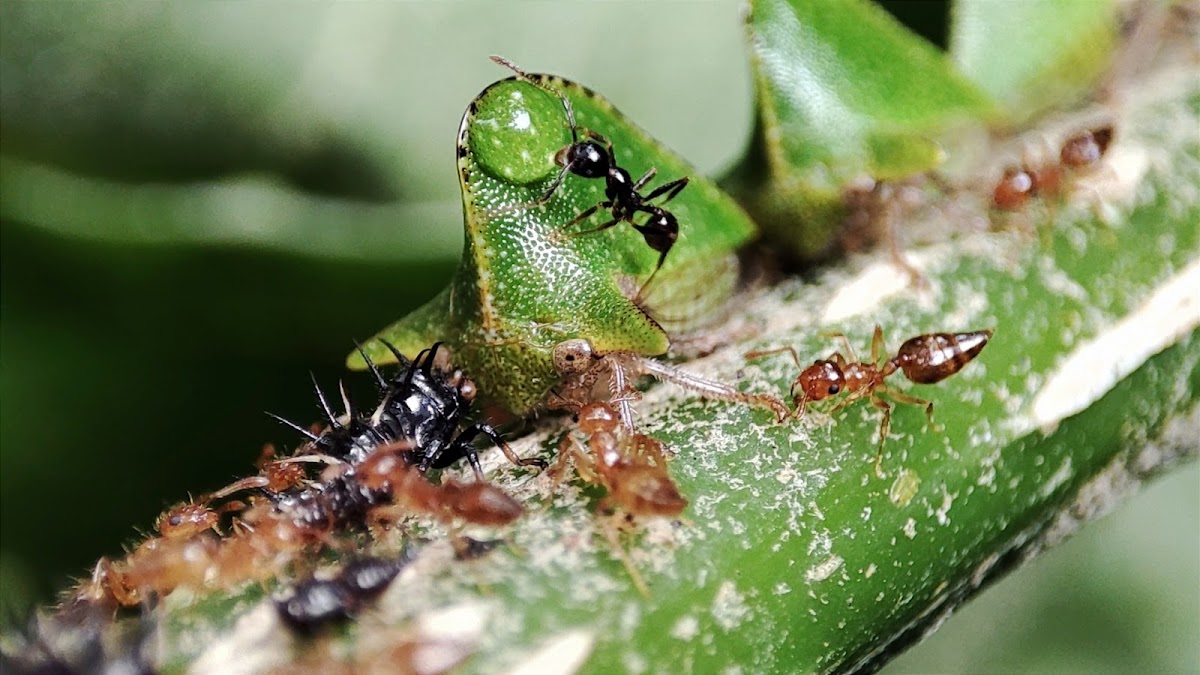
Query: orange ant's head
{"x": 819, "y": 381}
{"x": 185, "y": 521}
{"x": 1014, "y": 189}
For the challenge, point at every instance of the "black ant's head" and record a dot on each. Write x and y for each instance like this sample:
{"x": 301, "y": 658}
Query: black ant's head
{"x": 587, "y": 159}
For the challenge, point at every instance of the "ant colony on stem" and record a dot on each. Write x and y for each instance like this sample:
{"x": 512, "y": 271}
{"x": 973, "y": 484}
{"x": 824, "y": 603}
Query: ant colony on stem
{"x": 361, "y": 473}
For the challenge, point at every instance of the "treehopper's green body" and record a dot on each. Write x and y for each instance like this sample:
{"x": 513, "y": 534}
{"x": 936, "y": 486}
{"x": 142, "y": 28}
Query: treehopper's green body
{"x": 522, "y": 287}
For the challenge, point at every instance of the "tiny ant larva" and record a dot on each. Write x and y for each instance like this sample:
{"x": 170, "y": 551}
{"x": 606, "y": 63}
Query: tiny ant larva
{"x": 594, "y": 157}
{"x": 924, "y": 359}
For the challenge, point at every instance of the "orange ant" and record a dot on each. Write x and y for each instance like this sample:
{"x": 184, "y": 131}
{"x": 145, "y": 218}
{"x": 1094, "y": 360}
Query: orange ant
{"x": 924, "y": 359}
{"x": 1079, "y": 154}
{"x": 631, "y": 466}
{"x": 411, "y": 492}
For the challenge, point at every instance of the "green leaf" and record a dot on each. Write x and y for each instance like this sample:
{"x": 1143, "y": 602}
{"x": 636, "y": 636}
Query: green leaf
{"x": 1031, "y": 55}
{"x": 844, "y": 92}
{"x": 252, "y": 211}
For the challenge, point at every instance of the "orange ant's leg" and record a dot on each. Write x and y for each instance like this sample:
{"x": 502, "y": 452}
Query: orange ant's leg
{"x": 651, "y": 448}
{"x": 850, "y": 397}
{"x": 901, "y": 397}
{"x": 837, "y": 357}
{"x": 759, "y": 353}
{"x": 884, "y": 426}
{"x": 566, "y": 452}
{"x": 614, "y": 540}
{"x": 801, "y": 405}
{"x": 878, "y": 348}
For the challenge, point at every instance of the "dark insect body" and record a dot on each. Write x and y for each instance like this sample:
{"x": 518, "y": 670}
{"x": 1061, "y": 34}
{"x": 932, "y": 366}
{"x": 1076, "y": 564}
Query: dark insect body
{"x": 594, "y": 157}
{"x": 78, "y": 639}
{"x": 372, "y": 473}
{"x": 1079, "y": 154}
{"x": 314, "y": 603}
{"x": 924, "y": 359}
{"x": 421, "y": 411}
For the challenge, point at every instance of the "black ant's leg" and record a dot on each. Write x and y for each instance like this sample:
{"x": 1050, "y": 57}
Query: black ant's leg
{"x": 558, "y": 232}
{"x": 601, "y": 228}
{"x": 645, "y": 179}
{"x": 670, "y": 189}
{"x": 488, "y": 430}
{"x": 661, "y": 259}
{"x": 608, "y": 146}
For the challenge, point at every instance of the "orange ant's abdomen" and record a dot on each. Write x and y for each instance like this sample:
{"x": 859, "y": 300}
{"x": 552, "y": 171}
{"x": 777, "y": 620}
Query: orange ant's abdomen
{"x": 933, "y": 357}
{"x": 1087, "y": 148}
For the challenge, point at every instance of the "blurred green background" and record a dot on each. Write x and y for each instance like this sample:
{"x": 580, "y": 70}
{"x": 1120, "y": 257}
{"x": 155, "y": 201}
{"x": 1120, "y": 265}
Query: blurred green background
{"x": 201, "y": 202}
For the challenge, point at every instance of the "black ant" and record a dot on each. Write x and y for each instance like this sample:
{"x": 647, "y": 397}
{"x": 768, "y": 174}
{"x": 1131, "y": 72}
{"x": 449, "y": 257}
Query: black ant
{"x": 594, "y": 157}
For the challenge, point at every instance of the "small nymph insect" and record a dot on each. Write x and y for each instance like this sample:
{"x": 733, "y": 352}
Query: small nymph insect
{"x": 594, "y": 157}
{"x": 924, "y": 359}
{"x": 421, "y": 407}
{"x": 315, "y": 603}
